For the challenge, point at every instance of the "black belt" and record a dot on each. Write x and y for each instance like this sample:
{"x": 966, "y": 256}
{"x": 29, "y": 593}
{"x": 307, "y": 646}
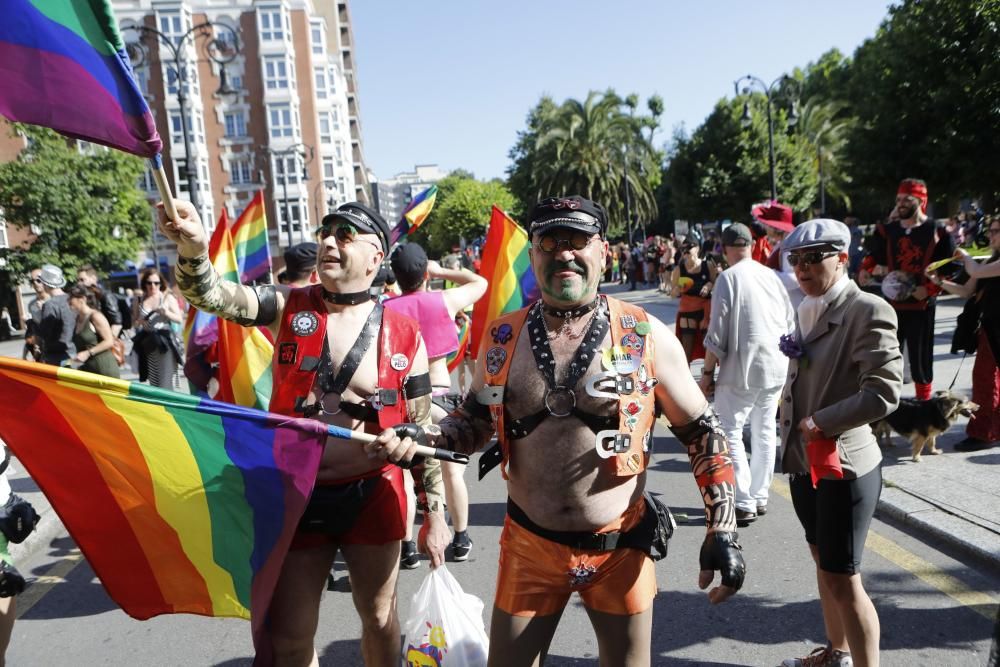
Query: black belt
{"x": 581, "y": 540}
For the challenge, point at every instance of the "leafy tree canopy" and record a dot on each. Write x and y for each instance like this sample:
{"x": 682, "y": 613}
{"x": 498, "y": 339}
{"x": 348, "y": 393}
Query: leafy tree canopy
{"x": 84, "y": 204}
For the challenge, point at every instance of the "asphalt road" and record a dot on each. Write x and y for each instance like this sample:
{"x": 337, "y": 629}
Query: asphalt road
{"x": 935, "y": 606}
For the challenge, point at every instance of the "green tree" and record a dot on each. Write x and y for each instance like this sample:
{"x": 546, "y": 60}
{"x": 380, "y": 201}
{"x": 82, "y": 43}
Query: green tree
{"x": 84, "y": 205}
{"x": 722, "y": 169}
{"x": 827, "y": 129}
{"x": 591, "y": 148}
{"x": 462, "y": 209}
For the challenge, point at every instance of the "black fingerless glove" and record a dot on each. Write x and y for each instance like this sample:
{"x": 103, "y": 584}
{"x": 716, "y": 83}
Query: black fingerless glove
{"x": 11, "y": 581}
{"x": 17, "y": 519}
{"x": 720, "y": 551}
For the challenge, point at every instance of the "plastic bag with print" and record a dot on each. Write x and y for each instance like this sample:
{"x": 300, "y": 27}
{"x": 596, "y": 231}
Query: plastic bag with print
{"x": 445, "y": 625}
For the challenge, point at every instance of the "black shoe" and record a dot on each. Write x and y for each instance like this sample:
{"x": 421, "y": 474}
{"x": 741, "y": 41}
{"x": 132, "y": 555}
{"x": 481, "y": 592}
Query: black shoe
{"x": 409, "y": 559}
{"x": 745, "y": 518}
{"x": 971, "y": 444}
{"x": 761, "y": 509}
{"x": 461, "y": 546}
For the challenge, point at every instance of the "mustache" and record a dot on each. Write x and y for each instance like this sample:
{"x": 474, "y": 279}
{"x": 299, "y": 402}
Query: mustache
{"x": 571, "y": 265}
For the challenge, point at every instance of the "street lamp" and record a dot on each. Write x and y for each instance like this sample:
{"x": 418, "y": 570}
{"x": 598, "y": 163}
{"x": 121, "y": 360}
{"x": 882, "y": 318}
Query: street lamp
{"x": 221, "y": 49}
{"x": 770, "y": 93}
{"x": 301, "y": 152}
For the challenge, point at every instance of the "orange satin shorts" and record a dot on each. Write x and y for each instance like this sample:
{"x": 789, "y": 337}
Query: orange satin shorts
{"x": 537, "y": 576}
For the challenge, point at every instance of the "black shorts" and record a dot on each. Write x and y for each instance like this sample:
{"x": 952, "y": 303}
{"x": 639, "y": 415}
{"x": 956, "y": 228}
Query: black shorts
{"x": 836, "y": 516}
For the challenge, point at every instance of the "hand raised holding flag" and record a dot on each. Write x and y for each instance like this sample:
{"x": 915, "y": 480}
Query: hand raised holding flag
{"x": 186, "y": 231}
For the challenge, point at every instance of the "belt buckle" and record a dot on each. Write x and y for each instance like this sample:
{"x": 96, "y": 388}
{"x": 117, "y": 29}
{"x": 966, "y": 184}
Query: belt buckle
{"x": 598, "y": 385}
{"x": 619, "y": 443}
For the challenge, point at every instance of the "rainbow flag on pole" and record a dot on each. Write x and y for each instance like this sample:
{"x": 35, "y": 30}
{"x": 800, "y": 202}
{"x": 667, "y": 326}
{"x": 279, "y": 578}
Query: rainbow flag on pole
{"x": 63, "y": 65}
{"x": 180, "y": 504}
{"x": 253, "y": 256}
{"x": 455, "y": 358}
{"x": 414, "y": 214}
{"x": 505, "y": 264}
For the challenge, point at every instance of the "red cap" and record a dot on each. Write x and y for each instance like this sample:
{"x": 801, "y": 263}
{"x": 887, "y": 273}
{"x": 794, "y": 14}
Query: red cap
{"x": 773, "y": 215}
{"x": 914, "y": 187}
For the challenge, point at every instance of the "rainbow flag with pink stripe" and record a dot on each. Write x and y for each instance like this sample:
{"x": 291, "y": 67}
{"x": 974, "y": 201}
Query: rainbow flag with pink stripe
{"x": 253, "y": 256}
{"x": 507, "y": 267}
{"x": 180, "y": 504}
{"x": 63, "y": 65}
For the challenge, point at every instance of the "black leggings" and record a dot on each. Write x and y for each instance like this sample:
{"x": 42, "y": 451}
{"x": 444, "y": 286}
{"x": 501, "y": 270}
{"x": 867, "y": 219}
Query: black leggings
{"x": 916, "y": 329}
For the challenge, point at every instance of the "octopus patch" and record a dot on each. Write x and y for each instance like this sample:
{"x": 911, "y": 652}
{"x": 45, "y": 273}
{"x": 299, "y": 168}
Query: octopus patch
{"x": 495, "y": 359}
{"x": 502, "y": 333}
{"x": 304, "y": 323}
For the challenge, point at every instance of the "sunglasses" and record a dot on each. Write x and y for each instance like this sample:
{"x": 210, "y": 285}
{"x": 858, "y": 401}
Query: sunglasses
{"x": 150, "y": 282}
{"x": 575, "y": 241}
{"x": 343, "y": 233}
{"x": 37, "y": 281}
{"x": 807, "y": 258}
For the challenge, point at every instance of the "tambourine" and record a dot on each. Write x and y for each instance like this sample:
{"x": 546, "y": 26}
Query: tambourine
{"x": 898, "y": 286}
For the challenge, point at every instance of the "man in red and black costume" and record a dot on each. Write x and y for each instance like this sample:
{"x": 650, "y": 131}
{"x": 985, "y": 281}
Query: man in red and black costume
{"x": 898, "y": 253}
{"x": 343, "y": 359}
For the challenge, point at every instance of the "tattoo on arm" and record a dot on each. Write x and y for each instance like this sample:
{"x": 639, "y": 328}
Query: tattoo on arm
{"x": 208, "y": 291}
{"x": 468, "y": 428}
{"x": 712, "y": 466}
{"x": 428, "y": 483}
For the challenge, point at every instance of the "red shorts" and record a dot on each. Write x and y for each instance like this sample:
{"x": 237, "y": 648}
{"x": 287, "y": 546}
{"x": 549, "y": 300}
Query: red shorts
{"x": 537, "y": 576}
{"x": 380, "y": 519}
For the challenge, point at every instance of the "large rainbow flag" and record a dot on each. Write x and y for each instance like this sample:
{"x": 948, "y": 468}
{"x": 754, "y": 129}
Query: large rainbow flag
{"x": 414, "y": 214}
{"x": 243, "y": 353}
{"x": 505, "y": 264}
{"x": 253, "y": 257}
{"x": 180, "y": 504}
{"x": 63, "y": 65}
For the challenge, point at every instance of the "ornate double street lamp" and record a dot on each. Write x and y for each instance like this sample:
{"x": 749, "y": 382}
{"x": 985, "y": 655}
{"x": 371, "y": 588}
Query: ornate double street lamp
{"x": 771, "y": 93}
{"x": 218, "y": 42}
{"x": 303, "y": 155}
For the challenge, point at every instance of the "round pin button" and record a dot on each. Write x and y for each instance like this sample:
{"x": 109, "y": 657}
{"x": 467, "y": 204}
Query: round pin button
{"x": 642, "y": 328}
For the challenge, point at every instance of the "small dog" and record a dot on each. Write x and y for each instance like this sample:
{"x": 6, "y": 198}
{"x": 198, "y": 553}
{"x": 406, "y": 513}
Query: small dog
{"x": 921, "y": 422}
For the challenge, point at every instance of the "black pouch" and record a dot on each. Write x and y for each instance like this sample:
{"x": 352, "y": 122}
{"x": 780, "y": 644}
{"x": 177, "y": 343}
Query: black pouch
{"x": 18, "y": 519}
{"x": 333, "y": 509}
{"x": 652, "y": 534}
{"x": 966, "y": 328}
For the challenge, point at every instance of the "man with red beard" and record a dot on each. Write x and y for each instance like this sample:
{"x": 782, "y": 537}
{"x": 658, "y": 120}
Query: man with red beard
{"x": 899, "y": 251}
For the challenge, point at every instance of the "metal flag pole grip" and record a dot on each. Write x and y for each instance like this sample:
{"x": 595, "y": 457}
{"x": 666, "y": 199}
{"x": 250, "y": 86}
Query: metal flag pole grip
{"x": 411, "y": 431}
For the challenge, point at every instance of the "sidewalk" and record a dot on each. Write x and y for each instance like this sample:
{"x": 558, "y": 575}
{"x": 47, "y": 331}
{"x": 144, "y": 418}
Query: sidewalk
{"x": 954, "y": 497}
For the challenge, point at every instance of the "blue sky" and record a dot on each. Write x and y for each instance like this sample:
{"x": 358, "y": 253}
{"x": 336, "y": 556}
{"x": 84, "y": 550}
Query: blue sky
{"x": 451, "y": 81}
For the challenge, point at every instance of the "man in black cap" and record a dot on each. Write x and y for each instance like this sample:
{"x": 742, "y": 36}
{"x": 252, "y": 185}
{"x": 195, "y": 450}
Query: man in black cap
{"x": 750, "y": 313}
{"x": 300, "y": 265}
{"x": 343, "y": 359}
{"x": 435, "y": 311}
{"x": 569, "y": 384}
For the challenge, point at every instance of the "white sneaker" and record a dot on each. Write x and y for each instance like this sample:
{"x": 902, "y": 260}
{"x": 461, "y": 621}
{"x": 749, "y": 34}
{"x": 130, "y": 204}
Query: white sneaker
{"x": 822, "y": 656}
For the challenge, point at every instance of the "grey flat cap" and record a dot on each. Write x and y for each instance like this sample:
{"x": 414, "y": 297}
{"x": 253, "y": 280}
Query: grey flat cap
{"x": 818, "y": 234}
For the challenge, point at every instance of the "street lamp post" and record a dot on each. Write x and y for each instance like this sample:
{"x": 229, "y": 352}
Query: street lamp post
{"x": 215, "y": 48}
{"x": 770, "y": 93}
{"x": 301, "y": 152}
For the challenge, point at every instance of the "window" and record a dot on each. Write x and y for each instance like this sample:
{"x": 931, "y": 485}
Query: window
{"x": 325, "y": 135}
{"x": 280, "y": 117}
{"x": 172, "y": 26}
{"x": 328, "y": 168}
{"x": 316, "y": 37}
{"x": 291, "y": 166}
{"x": 146, "y": 181}
{"x": 142, "y": 79}
{"x": 333, "y": 80}
{"x": 322, "y": 91}
{"x": 276, "y": 73}
{"x": 340, "y": 153}
{"x": 196, "y": 127}
{"x": 341, "y": 186}
{"x": 236, "y": 81}
{"x": 336, "y": 118}
{"x": 236, "y": 124}
{"x": 271, "y": 25}
{"x": 240, "y": 170}
{"x": 294, "y": 210}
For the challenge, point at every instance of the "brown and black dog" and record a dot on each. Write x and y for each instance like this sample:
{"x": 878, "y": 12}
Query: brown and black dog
{"x": 921, "y": 422}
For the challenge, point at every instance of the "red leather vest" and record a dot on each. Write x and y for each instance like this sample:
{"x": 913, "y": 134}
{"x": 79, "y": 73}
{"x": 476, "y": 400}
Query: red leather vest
{"x": 300, "y": 344}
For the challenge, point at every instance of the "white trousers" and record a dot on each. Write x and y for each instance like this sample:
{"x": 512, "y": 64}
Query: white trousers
{"x": 753, "y": 478}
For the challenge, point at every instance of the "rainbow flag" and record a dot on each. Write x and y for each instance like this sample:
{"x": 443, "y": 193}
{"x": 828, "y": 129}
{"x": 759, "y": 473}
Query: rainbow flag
{"x": 243, "y": 353}
{"x": 180, "y": 504}
{"x": 63, "y": 65}
{"x": 455, "y": 358}
{"x": 253, "y": 256}
{"x": 414, "y": 214}
{"x": 505, "y": 264}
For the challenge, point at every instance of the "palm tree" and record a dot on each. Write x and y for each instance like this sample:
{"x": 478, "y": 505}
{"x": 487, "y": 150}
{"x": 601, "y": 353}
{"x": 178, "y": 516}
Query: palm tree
{"x": 592, "y": 148}
{"x": 827, "y": 129}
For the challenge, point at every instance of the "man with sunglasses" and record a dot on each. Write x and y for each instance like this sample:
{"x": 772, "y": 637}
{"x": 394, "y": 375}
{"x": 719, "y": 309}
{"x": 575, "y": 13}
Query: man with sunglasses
{"x": 571, "y": 385}
{"x": 848, "y": 375}
{"x": 343, "y": 359}
{"x": 32, "y": 338}
{"x": 905, "y": 246}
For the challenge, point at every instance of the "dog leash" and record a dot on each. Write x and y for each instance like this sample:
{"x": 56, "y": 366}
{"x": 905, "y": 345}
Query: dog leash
{"x": 954, "y": 379}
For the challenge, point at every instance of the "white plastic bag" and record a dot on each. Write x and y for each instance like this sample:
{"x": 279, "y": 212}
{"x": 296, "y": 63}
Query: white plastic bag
{"x": 445, "y": 625}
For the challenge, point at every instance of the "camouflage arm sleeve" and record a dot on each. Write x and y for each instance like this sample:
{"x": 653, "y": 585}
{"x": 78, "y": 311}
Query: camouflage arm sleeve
{"x": 468, "y": 428}
{"x": 712, "y": 466}
{"x": 206, "y": 290}
{"x": 428, "y": 483}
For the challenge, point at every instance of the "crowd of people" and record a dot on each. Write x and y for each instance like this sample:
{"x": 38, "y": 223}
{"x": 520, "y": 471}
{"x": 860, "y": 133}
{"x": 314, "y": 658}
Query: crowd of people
{"x": 803, "y": 331}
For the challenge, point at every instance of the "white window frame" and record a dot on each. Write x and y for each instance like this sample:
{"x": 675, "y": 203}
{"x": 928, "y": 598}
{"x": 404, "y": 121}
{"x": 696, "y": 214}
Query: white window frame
{"x": 329, "y": 168}
{"x": 282, "y": 112}
{"x": 321, "y": 80}
{"x": 271, "y": 30}
{"x": 325, "y": 128}
{"x": 239, "y": 122}
{"x": 297, "y": 207}
{"x": 240, "y": 170}
{"x": 276, "y": 73}
{"x": 318, "y": 45}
